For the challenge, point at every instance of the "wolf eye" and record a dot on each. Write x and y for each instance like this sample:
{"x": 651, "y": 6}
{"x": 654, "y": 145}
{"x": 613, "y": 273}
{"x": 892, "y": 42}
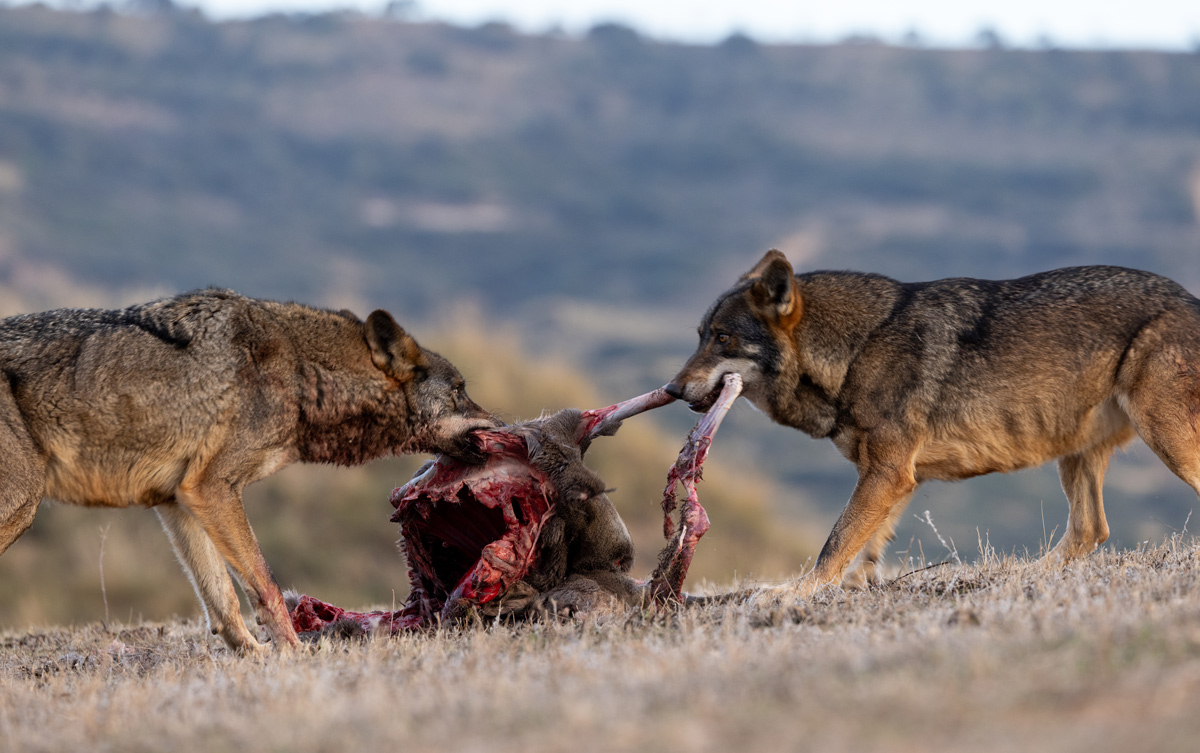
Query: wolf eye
{"x": 722, "y": 339}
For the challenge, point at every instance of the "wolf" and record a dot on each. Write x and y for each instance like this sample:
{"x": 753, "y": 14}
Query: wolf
{"x": 957, "y": 378}
{"x": 179, "y": 403}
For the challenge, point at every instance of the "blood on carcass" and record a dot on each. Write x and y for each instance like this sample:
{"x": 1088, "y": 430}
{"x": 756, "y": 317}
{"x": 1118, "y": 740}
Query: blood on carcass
{"x": 676, "y": 557}
{"x": 529, "y": 523}
{"x": 469, "y": 531}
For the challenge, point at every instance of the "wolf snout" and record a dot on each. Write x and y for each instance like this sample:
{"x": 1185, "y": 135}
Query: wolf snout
{"x": 697, "y": 399}
{"x": 483, "y": 423}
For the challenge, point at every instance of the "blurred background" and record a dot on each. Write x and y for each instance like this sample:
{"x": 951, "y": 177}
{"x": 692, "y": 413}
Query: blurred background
{"x": 551, "y": 196}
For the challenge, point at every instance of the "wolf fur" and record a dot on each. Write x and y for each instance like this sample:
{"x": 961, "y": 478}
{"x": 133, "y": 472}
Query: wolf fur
{"x": 957, "y": 378}
{"x": 179, "y": 403}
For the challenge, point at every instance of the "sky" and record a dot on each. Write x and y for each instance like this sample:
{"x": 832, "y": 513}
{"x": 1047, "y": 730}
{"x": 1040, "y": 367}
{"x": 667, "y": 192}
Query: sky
{"x": 1159, "y": 24}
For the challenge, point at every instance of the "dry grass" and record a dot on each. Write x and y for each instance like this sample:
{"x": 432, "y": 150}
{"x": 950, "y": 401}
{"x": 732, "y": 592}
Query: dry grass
{"x": 1001, "y": 655}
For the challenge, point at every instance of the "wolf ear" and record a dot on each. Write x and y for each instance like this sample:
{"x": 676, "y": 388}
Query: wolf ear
{"x": 768, "y": 258}
{"x": 774, "y": 292}
{"x": 392, "y": 349}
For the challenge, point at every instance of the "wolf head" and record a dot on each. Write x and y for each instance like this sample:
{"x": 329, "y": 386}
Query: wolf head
{"x": 441, "y": 415}
{"x": 746, "y": 331}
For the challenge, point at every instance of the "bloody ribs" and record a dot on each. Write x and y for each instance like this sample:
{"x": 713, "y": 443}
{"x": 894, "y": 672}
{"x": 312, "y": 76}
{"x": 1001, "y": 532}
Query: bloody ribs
{"x": 530, "y": 529}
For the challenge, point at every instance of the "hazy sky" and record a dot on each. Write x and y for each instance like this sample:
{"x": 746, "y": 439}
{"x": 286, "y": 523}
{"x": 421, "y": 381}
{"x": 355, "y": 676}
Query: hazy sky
{"x": 1108, "y": 23}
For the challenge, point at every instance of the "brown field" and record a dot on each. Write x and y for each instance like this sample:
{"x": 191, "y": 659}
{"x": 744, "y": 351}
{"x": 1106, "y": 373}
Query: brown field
{"x": 1004, "y": 654}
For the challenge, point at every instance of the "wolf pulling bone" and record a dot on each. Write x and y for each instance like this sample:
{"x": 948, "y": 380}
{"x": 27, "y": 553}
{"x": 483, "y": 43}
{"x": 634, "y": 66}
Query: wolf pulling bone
{"x": 180, "y": 403}
{"x": 957, "y": 378}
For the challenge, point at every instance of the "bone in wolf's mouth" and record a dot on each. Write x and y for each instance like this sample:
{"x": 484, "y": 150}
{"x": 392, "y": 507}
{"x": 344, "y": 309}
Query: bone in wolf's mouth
{"x": 674, "y": 561}
{"x": 497, "y": 536}
{"x": 706, "y": 403}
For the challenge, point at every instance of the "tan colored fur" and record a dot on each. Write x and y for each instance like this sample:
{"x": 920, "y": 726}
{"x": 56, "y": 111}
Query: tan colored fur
{"x": 958, "y": 378}
{"x": 178, "y": 404}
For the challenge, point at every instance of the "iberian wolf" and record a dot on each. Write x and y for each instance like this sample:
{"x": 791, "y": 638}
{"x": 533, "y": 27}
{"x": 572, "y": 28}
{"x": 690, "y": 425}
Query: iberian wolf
{"x": 956, "y": 378}
{"x": 179, "y": 403}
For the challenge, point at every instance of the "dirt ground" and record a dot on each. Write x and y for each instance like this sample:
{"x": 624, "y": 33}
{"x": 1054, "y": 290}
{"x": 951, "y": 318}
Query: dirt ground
{"x": 1006, "y": 654}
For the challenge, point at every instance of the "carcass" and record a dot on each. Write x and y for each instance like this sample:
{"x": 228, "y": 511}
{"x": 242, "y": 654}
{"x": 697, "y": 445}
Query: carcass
{"x": 530, "y": 529}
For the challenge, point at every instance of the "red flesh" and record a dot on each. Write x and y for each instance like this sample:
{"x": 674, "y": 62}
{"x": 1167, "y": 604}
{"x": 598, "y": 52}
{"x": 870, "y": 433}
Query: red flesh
{"x": 442, "y": 523}
{"x": 676, "y": 557}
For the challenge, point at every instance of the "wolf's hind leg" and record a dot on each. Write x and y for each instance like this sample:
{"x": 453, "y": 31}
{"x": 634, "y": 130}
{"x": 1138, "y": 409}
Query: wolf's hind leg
{"x": 205, "y": 568}
{"x": 1082, "y": 477}
{"x": 22, "y": 473}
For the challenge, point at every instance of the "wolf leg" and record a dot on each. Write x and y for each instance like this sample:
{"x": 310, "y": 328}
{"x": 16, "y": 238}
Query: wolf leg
{"x": 205, "y": 568}
{"x": 22, "y": 484}
{"x": 1177, "y": 444}
{"x": 22, "y": 472}
{"x": 19, "y": 500}
{"x": 883, "y": 489}
{"x": 1082, "y": 477}
{"x": 1163, "y": 401}
{"x": 867, "y": 571}
{"x": 222, "y": 517}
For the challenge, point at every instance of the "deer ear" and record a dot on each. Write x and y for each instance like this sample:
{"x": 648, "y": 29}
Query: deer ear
{"x": 392, "y": 349}
{"x": 774, "y": 293}
{"x": 768, "y": 258}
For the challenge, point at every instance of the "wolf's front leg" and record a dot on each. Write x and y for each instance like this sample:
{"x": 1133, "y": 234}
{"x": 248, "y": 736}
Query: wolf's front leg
{"x": 22, "y": 472}
{"x": 218, "y": 510}
{"x": 205, "y": 568}
{"x": 885, "y": 484}
{"x": 883, "y": 488}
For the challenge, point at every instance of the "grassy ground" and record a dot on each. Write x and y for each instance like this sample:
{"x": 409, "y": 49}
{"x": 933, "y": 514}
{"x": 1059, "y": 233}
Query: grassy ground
{"x": 1002, "y": 655}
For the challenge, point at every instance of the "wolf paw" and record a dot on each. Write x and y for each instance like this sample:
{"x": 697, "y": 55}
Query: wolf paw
{"x": 788, "y": 593}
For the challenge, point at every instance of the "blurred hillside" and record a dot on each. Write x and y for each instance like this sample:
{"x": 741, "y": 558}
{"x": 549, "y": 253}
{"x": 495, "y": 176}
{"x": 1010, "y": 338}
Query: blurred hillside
{"x": 593, "y": 194}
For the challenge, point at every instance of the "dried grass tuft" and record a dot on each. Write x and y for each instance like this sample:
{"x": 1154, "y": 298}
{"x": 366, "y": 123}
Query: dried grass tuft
{"x": 1004, "y": 654}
